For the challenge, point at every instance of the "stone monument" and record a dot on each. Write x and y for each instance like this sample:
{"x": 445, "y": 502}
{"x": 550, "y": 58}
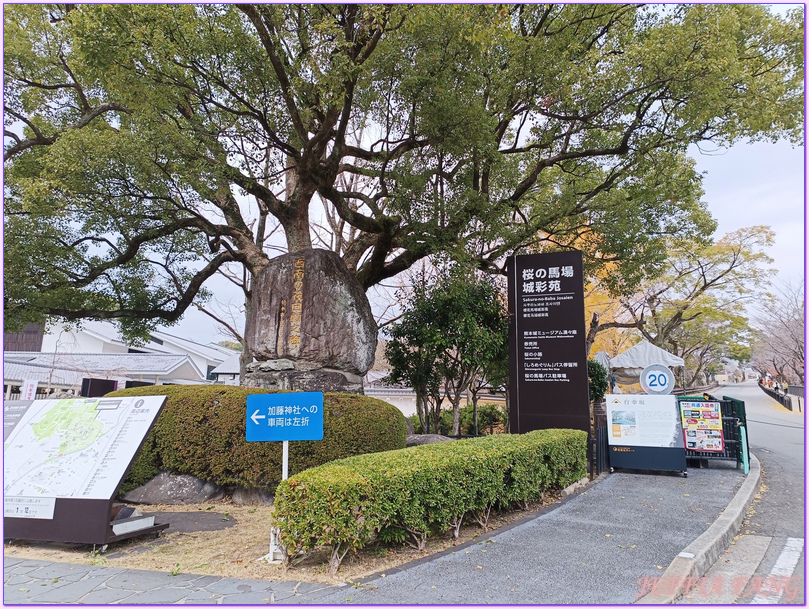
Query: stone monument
{"x": 310, "y": 326}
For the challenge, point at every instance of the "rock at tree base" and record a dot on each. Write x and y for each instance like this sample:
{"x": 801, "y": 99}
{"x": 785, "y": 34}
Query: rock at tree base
{"x": 293, "y": 380}
{"x": 310, "y": 327}
{"x": 179, "y": 489}
{"x": 172, "y": 489}
{"x": 252, "y": 496}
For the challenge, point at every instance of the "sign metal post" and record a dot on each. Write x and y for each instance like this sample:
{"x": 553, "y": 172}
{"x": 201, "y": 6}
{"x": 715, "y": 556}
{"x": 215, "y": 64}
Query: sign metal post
{"x": 274, "y": 417}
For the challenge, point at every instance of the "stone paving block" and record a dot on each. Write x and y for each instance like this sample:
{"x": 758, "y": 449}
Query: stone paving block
{"x": 9, "y": 562}
{"x": 239, "y": 586}
{"x": 202, "y": 597}
{"x": 311, "y": 597}
{"x": 248, "y": 598}
{"x": 29, "y": 565}
{"x": 131, "y": 579}
{"x": 17, "y": 596}
{"x": 68, "y": 593}
{"x": 16, "y": 580}
{"x": 305, "y": 587}
{"x": 203, "y": 601}
{"x": 102, "y": 571}
{"x": 107, "y": 596}
{"x": 158, "y": 596}
{"x": 61, "y": 570}
{"x": 315, "y": 594}
{"x": 205, "y": 580}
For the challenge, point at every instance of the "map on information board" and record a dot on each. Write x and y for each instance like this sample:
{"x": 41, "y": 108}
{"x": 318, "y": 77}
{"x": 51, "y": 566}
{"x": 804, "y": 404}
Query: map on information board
{"x": 78, "y": 448}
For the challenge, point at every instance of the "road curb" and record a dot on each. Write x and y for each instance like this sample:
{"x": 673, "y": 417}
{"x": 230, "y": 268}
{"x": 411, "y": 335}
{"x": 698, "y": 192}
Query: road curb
{"x": 693, "y": 562}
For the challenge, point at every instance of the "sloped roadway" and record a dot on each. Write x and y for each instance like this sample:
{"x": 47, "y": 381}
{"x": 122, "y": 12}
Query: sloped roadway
{"x": 770, "y": 549}
{"x": 596, "y": 547}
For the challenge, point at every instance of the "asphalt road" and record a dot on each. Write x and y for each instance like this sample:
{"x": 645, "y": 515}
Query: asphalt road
{"x": 765, "y": 565}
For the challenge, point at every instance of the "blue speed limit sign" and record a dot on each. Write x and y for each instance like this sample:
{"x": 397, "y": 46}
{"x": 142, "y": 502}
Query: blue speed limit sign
{"x": 657, "y": 379}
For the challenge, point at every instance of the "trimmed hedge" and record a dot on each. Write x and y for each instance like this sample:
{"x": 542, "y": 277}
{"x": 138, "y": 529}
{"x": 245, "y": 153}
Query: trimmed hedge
{"x": 201, "y": 431}
{"x": 423, "y": 489}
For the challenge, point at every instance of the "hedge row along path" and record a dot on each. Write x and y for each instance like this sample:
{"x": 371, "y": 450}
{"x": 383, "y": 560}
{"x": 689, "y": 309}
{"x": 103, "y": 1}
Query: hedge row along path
{"x": 408, "y": 495}
{"x": 201, "y": 431}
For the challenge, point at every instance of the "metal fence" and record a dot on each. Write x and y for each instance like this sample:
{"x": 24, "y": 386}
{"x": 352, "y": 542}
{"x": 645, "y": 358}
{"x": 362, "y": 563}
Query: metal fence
{"x": 792, "y": 401}
{"x": 18, "y": 396}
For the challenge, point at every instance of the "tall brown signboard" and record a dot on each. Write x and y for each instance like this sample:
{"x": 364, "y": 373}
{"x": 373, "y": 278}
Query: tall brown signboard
{"x": 547, "y": 343}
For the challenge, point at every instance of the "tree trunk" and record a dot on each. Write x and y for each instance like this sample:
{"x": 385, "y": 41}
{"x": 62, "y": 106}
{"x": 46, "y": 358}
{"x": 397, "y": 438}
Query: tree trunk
{"x": 421, "y": 408}
{"x": 456, "y": 415}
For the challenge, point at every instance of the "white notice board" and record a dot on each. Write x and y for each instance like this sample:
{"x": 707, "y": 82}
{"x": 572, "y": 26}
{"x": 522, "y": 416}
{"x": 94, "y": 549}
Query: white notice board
{"x": 643, "y": 420}
{"x": 77, "y": 448}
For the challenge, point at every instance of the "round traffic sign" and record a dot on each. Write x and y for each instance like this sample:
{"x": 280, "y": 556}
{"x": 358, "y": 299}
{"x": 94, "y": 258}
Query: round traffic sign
{"x": 657, "y": 379}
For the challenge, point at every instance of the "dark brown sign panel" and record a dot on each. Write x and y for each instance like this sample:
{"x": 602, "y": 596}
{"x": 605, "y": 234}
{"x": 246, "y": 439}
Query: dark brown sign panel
{"x": 547, "y": 349}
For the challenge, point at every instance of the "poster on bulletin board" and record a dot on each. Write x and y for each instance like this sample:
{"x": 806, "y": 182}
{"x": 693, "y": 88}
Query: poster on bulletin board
{"x": 702, "y": 426}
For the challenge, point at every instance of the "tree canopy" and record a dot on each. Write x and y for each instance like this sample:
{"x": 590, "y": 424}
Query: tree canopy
{"x": 452, "y": 329}
{"x": 697, "y": 307}
{"x": 149, "y": 146}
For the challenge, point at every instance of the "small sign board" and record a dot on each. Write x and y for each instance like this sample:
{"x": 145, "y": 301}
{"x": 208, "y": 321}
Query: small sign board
{"x": 644, "y": 432}
{"x": 657, "y": 379}
{"x": 276, "y": 417}
{"x": 702, "y": 425}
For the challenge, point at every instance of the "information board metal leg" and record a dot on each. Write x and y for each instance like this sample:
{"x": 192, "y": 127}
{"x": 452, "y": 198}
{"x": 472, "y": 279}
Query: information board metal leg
{"x": 745, "y": 456}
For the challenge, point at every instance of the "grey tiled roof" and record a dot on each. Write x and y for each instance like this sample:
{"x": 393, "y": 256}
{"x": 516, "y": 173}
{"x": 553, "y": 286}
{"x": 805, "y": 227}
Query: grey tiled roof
{"x": 42, "y": 374}
{"x": 127, "y": 364}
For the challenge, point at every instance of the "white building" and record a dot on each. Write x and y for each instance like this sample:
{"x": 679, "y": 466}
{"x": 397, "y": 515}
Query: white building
{"x": 96, "y": 350}
{"x": 103, "y": 337}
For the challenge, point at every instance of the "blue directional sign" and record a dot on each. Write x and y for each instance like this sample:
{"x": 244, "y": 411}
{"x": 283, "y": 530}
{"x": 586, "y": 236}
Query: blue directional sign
{"x": 274, "y": 417}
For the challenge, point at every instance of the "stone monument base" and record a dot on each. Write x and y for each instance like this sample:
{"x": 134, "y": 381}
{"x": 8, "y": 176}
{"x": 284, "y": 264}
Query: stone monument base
{"x": 274, "y": 374}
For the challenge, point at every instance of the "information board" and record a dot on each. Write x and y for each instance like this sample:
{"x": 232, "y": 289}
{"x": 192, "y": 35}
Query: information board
{"x": 76, "y": 448}
{"x": 284, "y": 416}
{"x": 547, "y": 343}
{"x": 644, "y": 432}
{"x": 702, "y": 424}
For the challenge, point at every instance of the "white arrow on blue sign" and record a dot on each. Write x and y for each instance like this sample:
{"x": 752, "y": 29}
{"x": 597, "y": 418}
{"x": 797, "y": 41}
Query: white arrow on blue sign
{"x": 275, "y": 417}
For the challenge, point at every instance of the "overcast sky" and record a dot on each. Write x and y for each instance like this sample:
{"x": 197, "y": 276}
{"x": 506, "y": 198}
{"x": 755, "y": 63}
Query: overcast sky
{"x": 761, "y": 184}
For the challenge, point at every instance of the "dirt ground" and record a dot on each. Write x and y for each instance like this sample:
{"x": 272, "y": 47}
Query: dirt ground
{"x": 236, "y": 550}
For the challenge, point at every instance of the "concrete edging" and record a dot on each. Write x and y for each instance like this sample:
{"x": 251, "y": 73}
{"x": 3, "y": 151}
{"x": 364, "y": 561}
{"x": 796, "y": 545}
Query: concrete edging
{"x": 693, "y": 562}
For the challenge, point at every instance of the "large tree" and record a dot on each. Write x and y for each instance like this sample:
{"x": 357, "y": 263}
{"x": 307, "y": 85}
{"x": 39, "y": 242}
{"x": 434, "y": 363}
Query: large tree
{"x": 149, "y": 146}
{"x": 696, "y": 308}
{"x": 780, "y": 348}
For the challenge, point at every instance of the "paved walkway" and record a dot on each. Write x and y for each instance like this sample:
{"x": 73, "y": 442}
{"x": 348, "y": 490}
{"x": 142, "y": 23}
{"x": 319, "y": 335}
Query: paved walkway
{"x": 596, "y": 546}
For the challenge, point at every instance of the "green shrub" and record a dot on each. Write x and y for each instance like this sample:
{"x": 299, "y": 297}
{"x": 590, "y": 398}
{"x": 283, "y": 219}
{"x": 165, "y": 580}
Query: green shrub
{"x": 423, "y": 489}
{"x": 598, "y": 380}
{"x": 486, "y": 411}
{"x": 201, "y": 431}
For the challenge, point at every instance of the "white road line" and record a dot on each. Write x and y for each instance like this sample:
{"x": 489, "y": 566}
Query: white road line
{"x": 783, "y": 568}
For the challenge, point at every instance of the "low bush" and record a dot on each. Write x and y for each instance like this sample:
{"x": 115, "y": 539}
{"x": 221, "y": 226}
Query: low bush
{"x": 490, "y": 416}
{"x": 201, "y": 431}
{"x": 412, "y": 493}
